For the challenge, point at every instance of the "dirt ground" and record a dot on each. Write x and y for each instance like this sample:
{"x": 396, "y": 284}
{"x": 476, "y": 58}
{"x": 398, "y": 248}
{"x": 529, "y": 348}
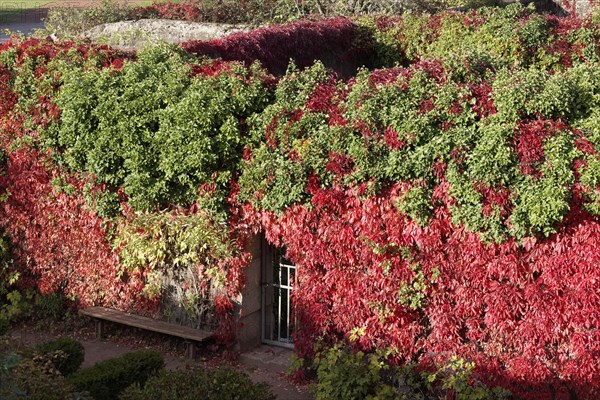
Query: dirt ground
{"x": 121, "y": 340}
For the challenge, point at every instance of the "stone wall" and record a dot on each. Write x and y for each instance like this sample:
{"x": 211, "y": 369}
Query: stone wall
{"x": 581, "y": 7}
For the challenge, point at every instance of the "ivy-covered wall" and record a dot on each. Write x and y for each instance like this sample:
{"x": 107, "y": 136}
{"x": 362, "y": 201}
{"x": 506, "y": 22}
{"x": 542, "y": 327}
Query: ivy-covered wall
{"x": 444, "y": 205}
{"x": 447, "y": 205}
{"x": 95, "y": 200}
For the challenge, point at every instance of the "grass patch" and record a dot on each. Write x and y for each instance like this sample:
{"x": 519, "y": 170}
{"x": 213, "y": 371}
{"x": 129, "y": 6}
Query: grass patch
{"x": 23, "y": 4}
{"x": 14, "y": 11}
{"x": 22, "y": 11}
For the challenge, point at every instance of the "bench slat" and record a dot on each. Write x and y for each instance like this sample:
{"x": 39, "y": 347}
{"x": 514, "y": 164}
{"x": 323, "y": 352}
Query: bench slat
{"x": 138, "y": 321}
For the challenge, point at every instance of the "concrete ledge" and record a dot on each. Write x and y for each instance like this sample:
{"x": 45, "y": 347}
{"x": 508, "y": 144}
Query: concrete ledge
{"x": 131, "y": 35}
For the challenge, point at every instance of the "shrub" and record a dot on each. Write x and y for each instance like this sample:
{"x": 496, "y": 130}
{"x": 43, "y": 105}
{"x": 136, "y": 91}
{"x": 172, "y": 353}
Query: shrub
{"x": 264, "y": 11}
{"x": 343, "y": 373}
{"x": 227, "y": 11}
{"x": 336, "y": 41}
{"x": 432, "y": 207}
{"x": 513, "y": 36}
{"x": 24, "y": 378}
{"x": 73, "y": 350}
{"x": 52, "y": 305}
{"x": 213, "y": 384}
{"x": 55, "y": 237}
{"x": 8, "y": 362}
{"x": 106, "y": 379}
{"x": 14, "y": 303}
{"x": 349, "y": 375}
{"x": 58, "y": 213}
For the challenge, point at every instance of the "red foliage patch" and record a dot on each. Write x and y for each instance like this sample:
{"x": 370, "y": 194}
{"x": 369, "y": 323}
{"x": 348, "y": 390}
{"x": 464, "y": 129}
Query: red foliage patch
{"x": 495, "y": 198}
{"x": 387, "y": 76}
{"x": 186, "y": 11}
{"x": 391, "y": 139}
{"x": 529, "y": 140}
{"x": 8, "y": 97}
{"x": 484, "y": 103}
{"x": 324, "y": 99}
{"x": 58, "y": 241}
{"x": 526, "y": 314}
{"x": 304, "y": 42}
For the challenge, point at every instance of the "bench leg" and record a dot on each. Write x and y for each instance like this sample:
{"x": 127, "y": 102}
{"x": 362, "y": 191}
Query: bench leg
{"x": 99, "y": 329}
{"x": 190, "y": 349}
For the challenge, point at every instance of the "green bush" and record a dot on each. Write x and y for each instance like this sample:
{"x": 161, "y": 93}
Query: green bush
{"x": 345, "y": 374}
{"x": 503, "y": 37}
{"x": 24, "y": 378}
{"x": 13, "y": 303}
{"x": 105, "y": 380}
{"x": 51, "y": 305}
{"x": 8, "y": 362}
{"x": 139, "y": 127}
{"x": 215, "y": 384}
{"x": 73, "y": 350}
{"x": 350, "y": 376}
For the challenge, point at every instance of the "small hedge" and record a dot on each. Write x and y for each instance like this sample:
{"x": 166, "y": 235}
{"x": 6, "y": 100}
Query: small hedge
{"x": 73, "y": 350}
{"x": 24, "y": 378}
{"x": 107, "y": 379}
{"x": 345, "y": 374}
{"x": 215, "y": 384}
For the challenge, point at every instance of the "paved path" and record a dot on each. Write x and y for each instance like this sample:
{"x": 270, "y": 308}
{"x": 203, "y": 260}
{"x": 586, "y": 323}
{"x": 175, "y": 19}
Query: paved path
{"x": 25, "y": 22}
{"x": 25, "y": 28}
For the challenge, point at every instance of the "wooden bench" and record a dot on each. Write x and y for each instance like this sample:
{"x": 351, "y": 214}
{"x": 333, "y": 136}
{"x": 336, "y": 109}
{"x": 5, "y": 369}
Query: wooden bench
{"x": 190, "y": 335}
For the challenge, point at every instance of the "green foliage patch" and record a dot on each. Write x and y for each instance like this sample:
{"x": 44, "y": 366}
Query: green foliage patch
{"x": 141, "y": 128}
{"x": 34, "y": 378}
{"x": 511, "y": 170}
{"x": 192, "y": 384}
{"x": 14, "y": 304}
{"x": 345, "y": 374}
{"x": 106, "y": 379}
{"x": 498, "y": 37}
{"x": 73, "y": 350}
{"x": 184, "y": 256}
